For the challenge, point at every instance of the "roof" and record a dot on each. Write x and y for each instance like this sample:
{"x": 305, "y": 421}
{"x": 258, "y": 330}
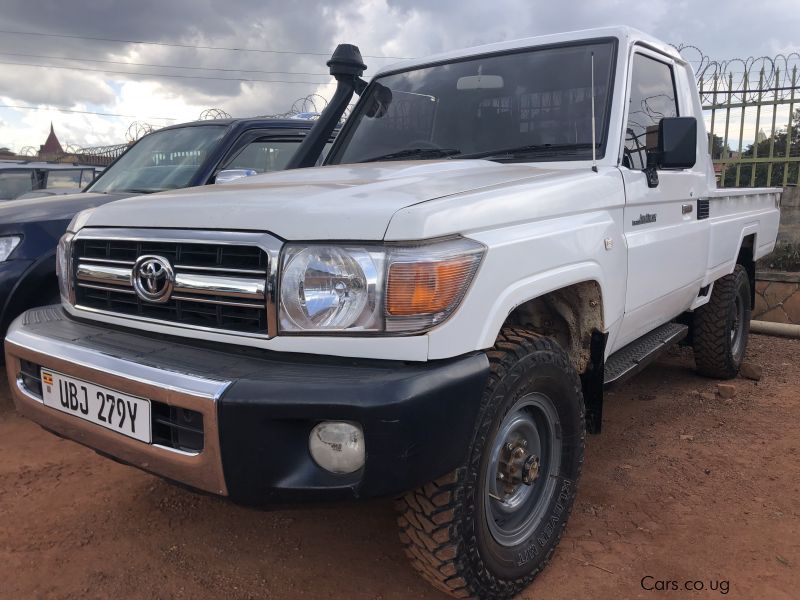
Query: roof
{"x": 51, "y": 144}
{"x": 38, "y": 164}
{"x": 253, "y": 121}
{"x": 627, "y": 35}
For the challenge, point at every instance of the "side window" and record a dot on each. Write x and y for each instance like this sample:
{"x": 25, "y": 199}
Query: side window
{"x": 87, "y": 176}
{"x": 15, "y": 183}
{"x": 652, "y": 98}
{"x": 66, "y": 178}
{"x": 264, "y": 155}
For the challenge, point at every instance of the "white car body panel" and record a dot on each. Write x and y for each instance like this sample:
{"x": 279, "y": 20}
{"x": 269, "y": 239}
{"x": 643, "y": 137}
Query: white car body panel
{"x": 545, "y": 225}
{"x": 347, "y": 202}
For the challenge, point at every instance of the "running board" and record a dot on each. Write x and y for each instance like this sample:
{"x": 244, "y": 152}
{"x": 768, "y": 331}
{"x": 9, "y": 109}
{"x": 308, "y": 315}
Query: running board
{"x": 634, "y": 357}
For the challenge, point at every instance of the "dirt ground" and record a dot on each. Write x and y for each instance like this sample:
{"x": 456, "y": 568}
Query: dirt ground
{"x": 681, "y": 486}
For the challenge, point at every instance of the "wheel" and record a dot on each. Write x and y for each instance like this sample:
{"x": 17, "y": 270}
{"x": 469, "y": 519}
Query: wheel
{"x": 722, "y": 326}
{"x": 486, "y": 529}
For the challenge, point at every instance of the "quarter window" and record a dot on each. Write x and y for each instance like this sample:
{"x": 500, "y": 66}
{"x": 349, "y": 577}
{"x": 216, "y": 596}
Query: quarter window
{"x": 652, "y": 98}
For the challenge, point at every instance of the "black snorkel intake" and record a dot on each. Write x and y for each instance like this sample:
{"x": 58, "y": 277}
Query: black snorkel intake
{"x": 347, "y": 66}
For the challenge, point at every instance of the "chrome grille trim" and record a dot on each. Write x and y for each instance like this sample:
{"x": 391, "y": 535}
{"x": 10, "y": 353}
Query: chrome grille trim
{"x": 110, "y": 261}
{"x": 215, "y": 269}
{"x": 187, "y": 283}
{"x": 214, "y": 285}
{"x": 227, "y": 288}
{"x": 103, "y": 274}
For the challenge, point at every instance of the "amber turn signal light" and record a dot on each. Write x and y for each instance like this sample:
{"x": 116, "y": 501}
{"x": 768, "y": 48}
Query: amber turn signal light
{"x": 428, "y": 287}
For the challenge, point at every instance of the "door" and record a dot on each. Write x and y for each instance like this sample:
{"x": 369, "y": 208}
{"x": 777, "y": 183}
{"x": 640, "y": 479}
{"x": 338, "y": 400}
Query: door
{"x": 667, "y": 245}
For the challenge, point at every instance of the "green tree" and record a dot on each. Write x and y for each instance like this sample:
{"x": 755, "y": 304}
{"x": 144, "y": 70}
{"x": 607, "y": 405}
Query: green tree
{"x": 778, "y": 147}
{"x": 716, "y": 147}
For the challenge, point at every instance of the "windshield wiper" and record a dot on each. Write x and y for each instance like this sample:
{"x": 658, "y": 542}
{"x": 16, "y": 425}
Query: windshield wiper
{"x": 415, "y": 152}
{"x": 527, "y": 150}
{"x": 142, "y": 190}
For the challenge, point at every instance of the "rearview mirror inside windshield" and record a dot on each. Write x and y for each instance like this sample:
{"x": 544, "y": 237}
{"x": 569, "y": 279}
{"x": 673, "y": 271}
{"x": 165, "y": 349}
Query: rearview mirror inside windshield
{"x": 480, "y": 82}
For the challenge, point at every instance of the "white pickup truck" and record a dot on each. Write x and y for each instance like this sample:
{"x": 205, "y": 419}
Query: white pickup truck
{"x": 498, "y": 234}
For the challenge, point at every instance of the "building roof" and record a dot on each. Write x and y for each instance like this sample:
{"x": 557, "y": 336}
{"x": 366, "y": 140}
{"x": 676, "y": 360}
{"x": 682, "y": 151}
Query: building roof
{"x": 51, "y": 144}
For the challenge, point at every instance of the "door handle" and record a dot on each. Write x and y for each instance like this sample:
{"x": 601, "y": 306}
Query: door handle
{"x": 687, "y": 208}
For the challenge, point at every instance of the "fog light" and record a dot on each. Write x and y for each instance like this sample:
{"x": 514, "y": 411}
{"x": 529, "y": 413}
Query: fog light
{"x": 337, "y": 447}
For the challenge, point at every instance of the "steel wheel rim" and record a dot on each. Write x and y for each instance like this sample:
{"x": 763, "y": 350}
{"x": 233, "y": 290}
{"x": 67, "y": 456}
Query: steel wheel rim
{"x": 512, "y": 517}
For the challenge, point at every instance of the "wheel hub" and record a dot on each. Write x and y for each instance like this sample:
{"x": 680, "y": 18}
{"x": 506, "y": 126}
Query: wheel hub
{"x": 522, "y": 467}
{"x": 516, "y": 466}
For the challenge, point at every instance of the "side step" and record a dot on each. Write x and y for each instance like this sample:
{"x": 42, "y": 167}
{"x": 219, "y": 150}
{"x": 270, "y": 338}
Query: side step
{"x": 634, "y": 357}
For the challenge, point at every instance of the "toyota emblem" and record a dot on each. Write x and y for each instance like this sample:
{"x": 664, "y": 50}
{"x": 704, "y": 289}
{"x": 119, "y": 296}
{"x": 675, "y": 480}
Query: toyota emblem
{"x": 152, "y": 278}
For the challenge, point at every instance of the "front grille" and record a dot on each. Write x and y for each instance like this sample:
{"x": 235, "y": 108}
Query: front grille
{"x": 212, "y": 256}
{"x": 217, "y": 286}
{"x": 172, "y": 426}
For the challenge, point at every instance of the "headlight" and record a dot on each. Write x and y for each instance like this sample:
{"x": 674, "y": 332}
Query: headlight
{"x": 374, "y": 289}
{"x": 330, "y": 288}
{"x": 7, "y": 245}
{"x": 63, "y": 268}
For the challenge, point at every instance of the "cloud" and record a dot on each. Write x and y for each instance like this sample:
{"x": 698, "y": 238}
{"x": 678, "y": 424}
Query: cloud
{"x": 388, "y": 28}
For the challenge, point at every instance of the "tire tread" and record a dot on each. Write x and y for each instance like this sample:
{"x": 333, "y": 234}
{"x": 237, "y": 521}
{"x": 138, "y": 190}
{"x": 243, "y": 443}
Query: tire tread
{"x": 440, "y": 554}
{"x": 711, "y": 340}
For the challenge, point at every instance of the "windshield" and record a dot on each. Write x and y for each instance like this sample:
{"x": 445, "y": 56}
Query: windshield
{"x": 164, "y": 160}
{"x": 527, "y": 105}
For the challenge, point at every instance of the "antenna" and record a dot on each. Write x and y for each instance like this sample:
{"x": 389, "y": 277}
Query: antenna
{"x": 594, "y": 125}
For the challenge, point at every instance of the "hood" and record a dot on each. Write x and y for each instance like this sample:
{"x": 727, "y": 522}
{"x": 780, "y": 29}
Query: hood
{"x": 324, "y": 203}
{"x": 51, "y": 208}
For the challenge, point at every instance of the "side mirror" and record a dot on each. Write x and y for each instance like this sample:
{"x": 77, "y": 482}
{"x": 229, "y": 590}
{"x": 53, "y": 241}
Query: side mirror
{"x": 677, "y": 143}
{"x": 233, "y": 174}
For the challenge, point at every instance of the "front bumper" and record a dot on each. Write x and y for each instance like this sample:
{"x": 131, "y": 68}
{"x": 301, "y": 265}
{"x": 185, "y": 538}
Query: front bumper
{"x": 257, "y": 409}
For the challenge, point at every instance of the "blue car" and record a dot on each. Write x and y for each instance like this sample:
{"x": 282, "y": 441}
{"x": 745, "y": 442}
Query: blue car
{"x": 179, "y": 156}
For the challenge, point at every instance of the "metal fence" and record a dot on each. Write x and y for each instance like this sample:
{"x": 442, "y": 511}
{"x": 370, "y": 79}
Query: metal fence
{"x": 752, "y": 112}
{"x": 100, "y": 156}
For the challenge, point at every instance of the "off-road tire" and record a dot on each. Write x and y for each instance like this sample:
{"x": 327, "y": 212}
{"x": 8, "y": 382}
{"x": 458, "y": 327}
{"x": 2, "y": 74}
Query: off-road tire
{"x": 443, "y": 524}
{"x": 715, "y": 353}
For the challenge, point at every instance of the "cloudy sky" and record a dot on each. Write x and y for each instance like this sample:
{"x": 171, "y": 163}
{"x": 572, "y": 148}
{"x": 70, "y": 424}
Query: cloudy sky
{"x": 251, "y": 57}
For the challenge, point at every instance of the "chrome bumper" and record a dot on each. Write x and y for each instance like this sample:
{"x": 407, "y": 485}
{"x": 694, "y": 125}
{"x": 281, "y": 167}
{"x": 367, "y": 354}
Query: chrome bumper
{"x": 117, "y": 370}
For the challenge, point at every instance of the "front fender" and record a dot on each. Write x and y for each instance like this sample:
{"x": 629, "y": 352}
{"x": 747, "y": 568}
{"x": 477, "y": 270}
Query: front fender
{"x": 533, "y": 287}
{"x": 527, "y": 261}
{"x": 27, "y": 284}
{"x": 11, "y": 273}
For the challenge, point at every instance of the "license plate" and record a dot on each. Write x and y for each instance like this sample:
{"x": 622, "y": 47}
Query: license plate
{"x": 111, "y": 409}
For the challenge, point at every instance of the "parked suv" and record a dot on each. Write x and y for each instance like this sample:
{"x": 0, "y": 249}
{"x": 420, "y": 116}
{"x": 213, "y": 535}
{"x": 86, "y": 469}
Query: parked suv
{"x": 19, "y": 178}
{"x": 179, "y": 156}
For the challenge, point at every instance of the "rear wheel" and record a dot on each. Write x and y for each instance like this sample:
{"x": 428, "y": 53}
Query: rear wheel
{"x": 486, "y": 529}
{"x": 722, "y": 327}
